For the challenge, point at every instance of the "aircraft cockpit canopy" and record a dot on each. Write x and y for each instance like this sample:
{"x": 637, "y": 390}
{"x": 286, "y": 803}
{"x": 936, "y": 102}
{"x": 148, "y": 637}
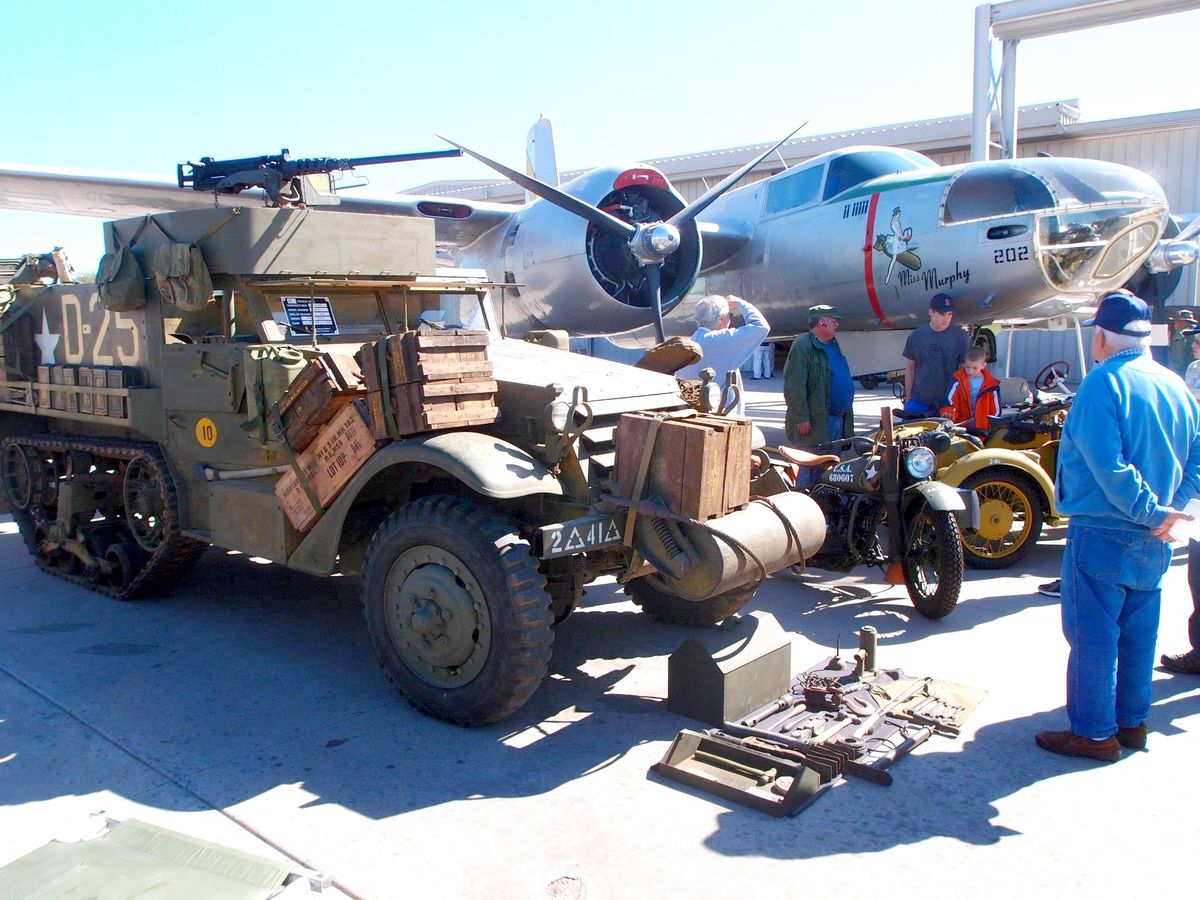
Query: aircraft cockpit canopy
{"x": 856, "y": 167}
{"x": 826, "y": 176}
{"x": 1004, "y": 188}
{"x": 1093, "y": 221}
{"x": 986, "y": 192}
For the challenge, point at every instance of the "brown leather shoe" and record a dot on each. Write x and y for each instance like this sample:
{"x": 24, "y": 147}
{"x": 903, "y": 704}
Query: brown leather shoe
{"x": 1066, "y": 743}
{"x": 1132, "y": 738}
{"x": 1183, "y": 663}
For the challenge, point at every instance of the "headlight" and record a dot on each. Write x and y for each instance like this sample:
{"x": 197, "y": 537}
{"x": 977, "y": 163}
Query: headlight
{"x": 556, "y": 415}
{"x": 920, "y": 462}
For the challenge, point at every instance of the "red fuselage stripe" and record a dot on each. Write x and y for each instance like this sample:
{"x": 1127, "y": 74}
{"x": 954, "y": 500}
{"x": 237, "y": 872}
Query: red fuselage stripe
{"x": 869, "y": 263}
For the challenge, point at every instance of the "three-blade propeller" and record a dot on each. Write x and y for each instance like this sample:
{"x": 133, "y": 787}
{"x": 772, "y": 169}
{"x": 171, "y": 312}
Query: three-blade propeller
{"x": 649, "y": 242}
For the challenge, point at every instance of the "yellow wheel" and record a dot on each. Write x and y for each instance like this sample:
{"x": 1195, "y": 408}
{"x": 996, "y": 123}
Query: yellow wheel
{"x": 1010, "y": 518}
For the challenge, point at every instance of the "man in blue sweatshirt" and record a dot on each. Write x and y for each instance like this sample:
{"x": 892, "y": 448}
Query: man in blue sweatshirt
{"x": 1128, "y": 462}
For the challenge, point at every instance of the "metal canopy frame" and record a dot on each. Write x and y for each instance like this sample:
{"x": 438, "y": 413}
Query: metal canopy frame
{"x": 1016, "y": 20}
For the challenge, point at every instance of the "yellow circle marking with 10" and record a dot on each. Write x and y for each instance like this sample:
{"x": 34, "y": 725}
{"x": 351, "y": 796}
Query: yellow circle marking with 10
{"x": 206, "y": 432}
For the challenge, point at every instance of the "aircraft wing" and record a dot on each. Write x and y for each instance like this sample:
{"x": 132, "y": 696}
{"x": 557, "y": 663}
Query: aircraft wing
{"x": 722, "y": 238}
{"x": 116, "y": 195}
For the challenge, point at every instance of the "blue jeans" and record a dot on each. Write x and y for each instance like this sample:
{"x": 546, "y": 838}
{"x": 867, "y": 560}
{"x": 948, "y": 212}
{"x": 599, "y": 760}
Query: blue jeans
{"x": 1111, "y": 591}
{"x": 837, "y": 426}
{"x": 916, "y": 406}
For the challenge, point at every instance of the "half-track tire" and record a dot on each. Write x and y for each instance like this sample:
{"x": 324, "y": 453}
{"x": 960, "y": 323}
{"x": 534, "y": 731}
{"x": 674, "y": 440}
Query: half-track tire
{"x": 933, "y": 567}
{"x": 673, "y": 610}
{"x": 1005, "y": 499}
{"x": 457, "y": 611}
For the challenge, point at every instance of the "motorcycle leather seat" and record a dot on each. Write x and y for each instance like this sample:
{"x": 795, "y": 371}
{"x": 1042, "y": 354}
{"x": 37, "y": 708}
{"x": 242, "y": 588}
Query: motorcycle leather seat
{"x": 806, "y": 460}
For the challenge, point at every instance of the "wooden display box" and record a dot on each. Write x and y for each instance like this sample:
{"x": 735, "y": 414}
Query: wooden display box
{"x": 428, "y": 356}
{"x": 319, "y": 393}
{"x": 436, "y": 380}
{"x": 699, "y": 467}
{"x": 328, "y": 463}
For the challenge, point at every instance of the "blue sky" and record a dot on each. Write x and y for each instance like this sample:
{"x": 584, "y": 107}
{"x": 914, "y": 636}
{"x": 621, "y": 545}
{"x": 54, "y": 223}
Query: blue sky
{"x": 138, "y": 86}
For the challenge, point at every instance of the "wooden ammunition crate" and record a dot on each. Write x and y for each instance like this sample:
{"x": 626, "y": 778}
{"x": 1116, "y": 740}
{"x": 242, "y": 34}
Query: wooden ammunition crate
{"x": 699, "y": 466}
{"x": 328, "y": 463}
{"x": 428, "y": 356}
{"x": 18, "y": 351}
{"x": 435, "y": 380}
{"x": 319, "y": 393}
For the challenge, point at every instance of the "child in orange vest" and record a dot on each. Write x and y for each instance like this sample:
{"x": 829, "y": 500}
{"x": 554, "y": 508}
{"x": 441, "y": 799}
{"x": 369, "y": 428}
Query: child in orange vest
{"x": 975, "y": 394}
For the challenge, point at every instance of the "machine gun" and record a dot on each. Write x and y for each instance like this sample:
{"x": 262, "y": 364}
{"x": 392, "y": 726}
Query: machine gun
{"x": 280, "y": 177}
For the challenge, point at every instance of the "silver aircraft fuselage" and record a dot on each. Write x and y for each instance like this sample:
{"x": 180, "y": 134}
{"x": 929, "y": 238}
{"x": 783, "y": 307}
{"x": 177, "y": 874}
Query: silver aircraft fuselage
{"x": 877, "y": 231}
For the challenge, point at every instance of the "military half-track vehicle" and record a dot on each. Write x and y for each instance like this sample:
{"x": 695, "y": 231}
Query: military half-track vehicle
{"x": 138, "y": 426}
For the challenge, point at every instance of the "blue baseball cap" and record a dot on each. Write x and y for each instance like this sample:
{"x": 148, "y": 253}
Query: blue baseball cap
{"x": 1122, "y": 313}
{"x": 942, "y": 303}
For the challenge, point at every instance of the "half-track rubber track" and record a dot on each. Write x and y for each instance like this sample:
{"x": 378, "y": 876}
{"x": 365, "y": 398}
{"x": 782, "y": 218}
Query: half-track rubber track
{"x": 150, "y": 570}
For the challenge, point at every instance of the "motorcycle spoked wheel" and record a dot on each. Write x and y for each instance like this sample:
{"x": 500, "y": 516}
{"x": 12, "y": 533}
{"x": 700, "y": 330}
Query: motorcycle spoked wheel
{"x": 1010, "y": 513}
{"x": 933, "y": 562}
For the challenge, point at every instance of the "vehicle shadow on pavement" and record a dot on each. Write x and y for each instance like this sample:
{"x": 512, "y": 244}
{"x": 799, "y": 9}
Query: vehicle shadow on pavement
{"x": 250, "y": 679}
{"x": 828, "y": 611}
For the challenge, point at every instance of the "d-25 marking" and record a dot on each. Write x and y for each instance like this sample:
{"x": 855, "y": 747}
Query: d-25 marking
{"x": 98, "y": 336}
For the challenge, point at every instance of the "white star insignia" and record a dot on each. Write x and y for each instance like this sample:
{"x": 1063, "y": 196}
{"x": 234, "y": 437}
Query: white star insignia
{"x": 46, "y": 341}
{"x": 870, "y": 473}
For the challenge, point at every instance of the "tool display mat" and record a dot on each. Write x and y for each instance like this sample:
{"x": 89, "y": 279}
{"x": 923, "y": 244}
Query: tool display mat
{"x": 837, "y": 719}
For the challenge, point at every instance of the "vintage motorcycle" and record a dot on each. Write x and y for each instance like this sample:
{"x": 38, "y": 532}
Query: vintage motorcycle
{"x": 883, "y": 508}
{"x": 1011, "y": 468}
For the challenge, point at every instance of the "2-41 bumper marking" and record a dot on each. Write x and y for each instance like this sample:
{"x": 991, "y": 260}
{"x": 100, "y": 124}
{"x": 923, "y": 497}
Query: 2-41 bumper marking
{"x": 579, "y": 535}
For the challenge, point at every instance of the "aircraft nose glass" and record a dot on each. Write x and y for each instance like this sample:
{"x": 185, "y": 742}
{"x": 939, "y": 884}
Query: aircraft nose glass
{"x": 1089, "y": 250}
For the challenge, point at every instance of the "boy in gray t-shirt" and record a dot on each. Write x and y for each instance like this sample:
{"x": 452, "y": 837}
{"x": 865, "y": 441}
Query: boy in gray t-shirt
{"x": 932, "y": 355}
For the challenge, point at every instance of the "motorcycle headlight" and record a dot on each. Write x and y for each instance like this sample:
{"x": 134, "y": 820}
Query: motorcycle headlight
{"x": 920, "y": 462}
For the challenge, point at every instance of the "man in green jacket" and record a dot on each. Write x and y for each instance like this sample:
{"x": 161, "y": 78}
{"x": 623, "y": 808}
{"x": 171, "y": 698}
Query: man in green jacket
{"x": 817, "y": 386}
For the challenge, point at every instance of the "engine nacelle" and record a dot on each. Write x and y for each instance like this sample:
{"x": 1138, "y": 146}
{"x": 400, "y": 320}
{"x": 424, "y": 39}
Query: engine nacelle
{"x": 570, "y": 274}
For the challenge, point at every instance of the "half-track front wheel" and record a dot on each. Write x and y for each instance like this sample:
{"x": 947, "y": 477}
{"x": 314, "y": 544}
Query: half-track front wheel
{"x": 672, "y": 610}
{"x": 457, "y": 611}
{"x": 933, "y": 562}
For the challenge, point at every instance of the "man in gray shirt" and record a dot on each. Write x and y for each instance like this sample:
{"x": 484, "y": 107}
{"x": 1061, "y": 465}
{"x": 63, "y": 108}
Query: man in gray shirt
{"x": 933, "y": 354}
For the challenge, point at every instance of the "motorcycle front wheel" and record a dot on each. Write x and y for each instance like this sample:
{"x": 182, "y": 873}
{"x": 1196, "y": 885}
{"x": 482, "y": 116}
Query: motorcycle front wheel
{"x": 933, "y": 562}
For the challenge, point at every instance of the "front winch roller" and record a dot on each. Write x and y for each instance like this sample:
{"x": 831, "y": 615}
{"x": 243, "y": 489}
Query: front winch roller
{"x": 698, "y": 560}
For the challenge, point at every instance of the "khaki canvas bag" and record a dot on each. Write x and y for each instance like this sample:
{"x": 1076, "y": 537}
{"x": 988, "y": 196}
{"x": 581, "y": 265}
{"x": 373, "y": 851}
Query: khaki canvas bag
{"x": 119, "y": 279}
{"x": 181, "y": 276}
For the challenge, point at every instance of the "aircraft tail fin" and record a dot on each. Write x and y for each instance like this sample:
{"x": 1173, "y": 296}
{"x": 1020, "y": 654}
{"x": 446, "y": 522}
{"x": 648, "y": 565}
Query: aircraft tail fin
{"x": 539, "y": 155}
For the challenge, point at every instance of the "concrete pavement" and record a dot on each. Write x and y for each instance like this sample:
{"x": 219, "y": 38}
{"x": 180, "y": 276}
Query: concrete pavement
{"x": 245, "y": 707}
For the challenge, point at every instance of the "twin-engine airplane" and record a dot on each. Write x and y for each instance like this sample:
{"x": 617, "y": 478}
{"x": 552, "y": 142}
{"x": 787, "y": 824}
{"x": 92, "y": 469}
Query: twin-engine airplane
{"x": 874, "y": 230}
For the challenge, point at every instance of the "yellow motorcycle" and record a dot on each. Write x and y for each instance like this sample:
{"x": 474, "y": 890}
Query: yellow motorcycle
{"x": 1011, "y": 469}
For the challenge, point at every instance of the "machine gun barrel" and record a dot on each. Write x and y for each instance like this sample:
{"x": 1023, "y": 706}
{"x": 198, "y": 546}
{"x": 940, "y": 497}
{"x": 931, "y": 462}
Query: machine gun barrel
{"x": 317, "y": 166}
{"x": 235, "y": 175}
